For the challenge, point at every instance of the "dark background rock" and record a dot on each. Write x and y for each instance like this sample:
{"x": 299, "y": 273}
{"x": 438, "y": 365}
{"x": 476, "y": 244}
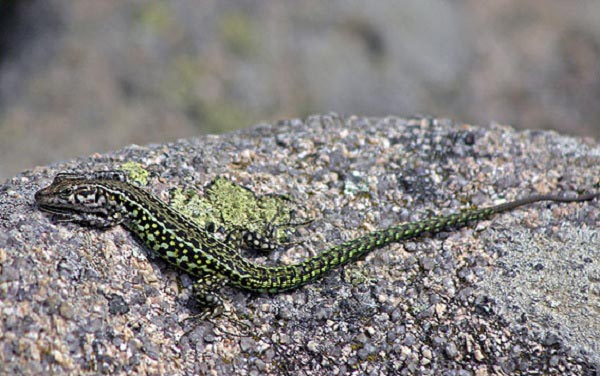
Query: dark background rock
{"x": 473, "y": 301}
{"x": 83, "y": 77}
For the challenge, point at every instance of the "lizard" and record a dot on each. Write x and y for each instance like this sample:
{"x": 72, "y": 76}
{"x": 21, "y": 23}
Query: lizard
{"x": 104, "y": 199}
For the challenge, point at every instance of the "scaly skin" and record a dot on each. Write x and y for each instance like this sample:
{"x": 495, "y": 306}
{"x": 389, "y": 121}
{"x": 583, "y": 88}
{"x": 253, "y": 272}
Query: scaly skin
{"x": 105, "y": 199}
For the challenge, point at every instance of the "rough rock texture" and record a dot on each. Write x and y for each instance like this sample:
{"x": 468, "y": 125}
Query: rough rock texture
{"x": 520, "y": 292}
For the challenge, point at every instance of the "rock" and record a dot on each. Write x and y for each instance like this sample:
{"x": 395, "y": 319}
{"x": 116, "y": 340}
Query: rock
{"x": 98, "y": 282}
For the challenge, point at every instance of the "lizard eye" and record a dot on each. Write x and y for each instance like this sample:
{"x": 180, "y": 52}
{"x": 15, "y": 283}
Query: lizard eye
{"x": 66, "y": 191}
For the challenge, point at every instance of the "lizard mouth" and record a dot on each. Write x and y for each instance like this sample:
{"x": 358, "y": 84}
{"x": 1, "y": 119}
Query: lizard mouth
{"x": 53, "y": 209}
{"x": 60, "y": 214}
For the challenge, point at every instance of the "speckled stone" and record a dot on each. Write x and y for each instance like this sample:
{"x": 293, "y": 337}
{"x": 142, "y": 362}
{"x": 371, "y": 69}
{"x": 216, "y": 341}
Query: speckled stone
{"x": 476, "y": 301}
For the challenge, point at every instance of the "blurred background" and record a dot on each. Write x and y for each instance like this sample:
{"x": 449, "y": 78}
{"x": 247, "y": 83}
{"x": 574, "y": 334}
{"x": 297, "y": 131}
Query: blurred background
{"x": 78, "y": 77}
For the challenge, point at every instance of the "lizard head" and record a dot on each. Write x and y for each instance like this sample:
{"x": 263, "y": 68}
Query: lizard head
{"x": 93, "y": 199}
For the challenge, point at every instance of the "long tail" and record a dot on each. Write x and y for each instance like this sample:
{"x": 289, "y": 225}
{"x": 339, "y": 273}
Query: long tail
{"x": 276, "y": 279}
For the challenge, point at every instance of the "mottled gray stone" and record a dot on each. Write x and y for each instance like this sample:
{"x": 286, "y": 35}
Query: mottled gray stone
{"x": 468, "y": 300}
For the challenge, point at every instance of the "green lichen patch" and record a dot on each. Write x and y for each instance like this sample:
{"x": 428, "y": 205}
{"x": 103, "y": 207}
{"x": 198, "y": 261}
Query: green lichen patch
{"x": 136, "y": 172}
{"x": 357, "y": 276}
{"x": 231, "y": 206}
